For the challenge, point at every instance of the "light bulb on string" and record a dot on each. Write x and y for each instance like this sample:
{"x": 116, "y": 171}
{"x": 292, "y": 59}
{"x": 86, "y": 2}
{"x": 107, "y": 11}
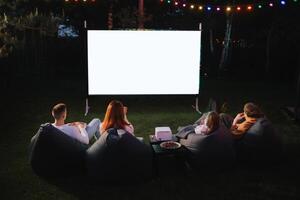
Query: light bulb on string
{"x": 282, "y": 3}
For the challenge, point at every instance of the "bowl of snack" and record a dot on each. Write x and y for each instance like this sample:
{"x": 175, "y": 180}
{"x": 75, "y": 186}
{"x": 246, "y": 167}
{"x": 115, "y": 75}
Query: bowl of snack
{"x": 170, "y": 145}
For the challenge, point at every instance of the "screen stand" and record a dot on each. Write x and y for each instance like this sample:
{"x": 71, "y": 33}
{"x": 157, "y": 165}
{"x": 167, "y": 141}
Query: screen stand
{"x": 196, "y": 106}
{"x": 86, "y": 107}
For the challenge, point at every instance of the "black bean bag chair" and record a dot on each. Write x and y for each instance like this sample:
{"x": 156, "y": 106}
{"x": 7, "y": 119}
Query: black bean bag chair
{"x": 52, "y": 153}
{"x": 260, "y": 144}
{"x": 211, "y": 152}
{"x": 119, "y": 159}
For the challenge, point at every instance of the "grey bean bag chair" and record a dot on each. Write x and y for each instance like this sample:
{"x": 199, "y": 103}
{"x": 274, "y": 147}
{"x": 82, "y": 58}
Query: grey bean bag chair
{"x": 212, "y": 152}
{"x": 119, "y": 159}
{"x": 54, "y": 154}
{"x": 260, "y": 143}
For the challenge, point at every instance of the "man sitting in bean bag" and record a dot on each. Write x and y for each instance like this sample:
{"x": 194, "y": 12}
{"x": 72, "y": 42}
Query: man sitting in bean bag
{"x": 59, "y": 149}
{"x": 254, "y": 135}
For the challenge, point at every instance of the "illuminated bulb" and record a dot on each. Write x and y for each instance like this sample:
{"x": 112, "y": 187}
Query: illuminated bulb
{"x": 200, "y": 7}
{"x": 228, "y": 9}
{"x": 169, "y": 1}
{"x": 238, "y": 8}
{"x": 271, "y": 4}
{"x": 282, "y": 3}
{"x": 249, "y": 8}
{"x": 192, "y": 6}
{"x": 176, "y": 3}
{"x": 218, "y": 8}
{"x": 184, "y": 5}
{"x": 208, "y": 8}
{"x": 259, "y": 6}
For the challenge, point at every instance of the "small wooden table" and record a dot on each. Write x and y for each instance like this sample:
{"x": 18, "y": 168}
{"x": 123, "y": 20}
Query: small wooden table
{"x": 167, "y": 161}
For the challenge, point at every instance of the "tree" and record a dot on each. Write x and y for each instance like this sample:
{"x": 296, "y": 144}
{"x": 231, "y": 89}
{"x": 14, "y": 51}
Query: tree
{"x": 19, "y": 16}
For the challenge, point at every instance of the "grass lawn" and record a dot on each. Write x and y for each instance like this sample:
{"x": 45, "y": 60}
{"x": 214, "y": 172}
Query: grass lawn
{"x": 24, "y": 113}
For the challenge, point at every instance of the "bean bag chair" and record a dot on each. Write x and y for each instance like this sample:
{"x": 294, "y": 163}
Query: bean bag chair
{"x": 211, "y": 152}
{"x": 52, "y": 153}
{"x": 119, "y": 159}
{"x": 260, "y": 143}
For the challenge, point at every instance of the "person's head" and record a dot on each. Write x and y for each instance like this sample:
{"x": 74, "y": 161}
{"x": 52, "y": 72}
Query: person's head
{"x": 114, "y": 116}
{"x": 252, "y": 110}
{"x": 59, "y": 111}
{"x": 212, "y": 121}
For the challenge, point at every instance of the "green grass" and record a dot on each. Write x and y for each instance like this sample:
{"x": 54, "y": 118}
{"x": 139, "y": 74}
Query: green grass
{"x": 25, "y": 113}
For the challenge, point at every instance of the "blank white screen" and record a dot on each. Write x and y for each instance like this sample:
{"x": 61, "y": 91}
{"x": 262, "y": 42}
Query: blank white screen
{"x": 143, "y": 62}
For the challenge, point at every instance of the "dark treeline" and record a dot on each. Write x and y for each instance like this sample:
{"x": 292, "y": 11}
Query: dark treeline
{"x": 263, "y": 45}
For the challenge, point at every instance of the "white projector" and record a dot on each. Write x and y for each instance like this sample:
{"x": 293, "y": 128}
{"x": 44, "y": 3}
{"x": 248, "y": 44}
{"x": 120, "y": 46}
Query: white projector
{"x": 163, "y": 133}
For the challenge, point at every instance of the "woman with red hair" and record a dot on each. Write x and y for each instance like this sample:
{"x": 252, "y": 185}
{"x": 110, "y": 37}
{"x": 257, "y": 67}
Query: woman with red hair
{"x": 115, "y": 117}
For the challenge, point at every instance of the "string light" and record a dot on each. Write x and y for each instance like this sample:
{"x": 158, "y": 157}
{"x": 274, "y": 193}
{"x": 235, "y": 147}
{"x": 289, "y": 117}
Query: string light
{"x": 282, "y": 3}
{"x": 259, "y": 4}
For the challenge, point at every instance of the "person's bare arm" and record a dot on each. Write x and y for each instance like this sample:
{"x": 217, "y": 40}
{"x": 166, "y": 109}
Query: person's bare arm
{"x": 238, "y": 118}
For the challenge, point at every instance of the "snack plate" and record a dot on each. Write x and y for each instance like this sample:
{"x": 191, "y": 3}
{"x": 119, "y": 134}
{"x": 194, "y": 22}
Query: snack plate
{"x": 170, "y": 145}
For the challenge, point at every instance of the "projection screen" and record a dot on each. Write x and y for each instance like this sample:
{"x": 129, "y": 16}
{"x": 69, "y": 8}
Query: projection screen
{"x": 143, "y": 62}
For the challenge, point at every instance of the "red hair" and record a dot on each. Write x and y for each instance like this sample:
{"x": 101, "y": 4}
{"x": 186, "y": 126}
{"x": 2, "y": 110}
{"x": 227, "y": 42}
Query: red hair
{"x": 114, "y": 116}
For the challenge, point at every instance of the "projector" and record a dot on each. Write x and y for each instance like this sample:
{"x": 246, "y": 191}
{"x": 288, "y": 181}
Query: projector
{"x": 163, "y": 133}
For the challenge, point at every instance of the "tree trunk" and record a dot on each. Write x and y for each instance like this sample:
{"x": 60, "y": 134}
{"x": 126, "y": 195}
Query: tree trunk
{"x": 268, "y": 49}
{"x": 110, "y": 17}
{"x": 211, "y": 41}
{"x": 297, "y": 106}
{"x": 227, "y": 40}
{"x": 141, "y": 14}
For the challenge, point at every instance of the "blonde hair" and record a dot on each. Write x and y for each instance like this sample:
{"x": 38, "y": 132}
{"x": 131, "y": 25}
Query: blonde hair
{"x": 212, "y": 121}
